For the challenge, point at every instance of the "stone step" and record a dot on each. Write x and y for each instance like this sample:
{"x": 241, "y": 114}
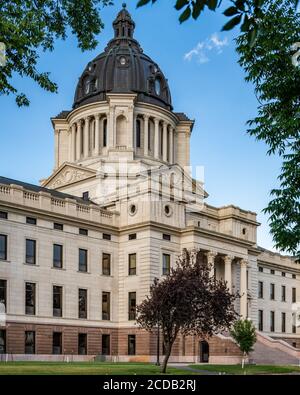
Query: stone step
{"x": 263, "y": 354}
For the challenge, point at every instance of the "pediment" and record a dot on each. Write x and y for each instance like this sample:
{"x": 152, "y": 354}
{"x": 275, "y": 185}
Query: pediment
{"x": 68, "y": 174}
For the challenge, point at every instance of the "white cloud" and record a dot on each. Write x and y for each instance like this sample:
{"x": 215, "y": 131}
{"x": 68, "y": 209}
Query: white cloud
{"x": 201, "y": 50}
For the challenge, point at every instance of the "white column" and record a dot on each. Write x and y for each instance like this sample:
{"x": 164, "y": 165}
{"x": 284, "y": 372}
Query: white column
{"x": 211, "y": 261}
{"x": 78, "y": 142}
{"x": 146, "y": 130}
{"x": 86, "y": 137}
{"x": 56, "y": 142}
{"x": 156, "y": 138}
{"x": 171, "y": 148}
{"x": 73, "y": 142}
{"x": 228, "y": 276}
{"x": 243, "y": 289}
{"x": 97, "y": 133}
{"x": 111, "y": 128}
{"x": 165, "y": 139}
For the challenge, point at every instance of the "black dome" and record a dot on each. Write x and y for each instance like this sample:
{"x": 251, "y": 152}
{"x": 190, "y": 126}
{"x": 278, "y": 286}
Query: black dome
{"x": 123, "y": 68}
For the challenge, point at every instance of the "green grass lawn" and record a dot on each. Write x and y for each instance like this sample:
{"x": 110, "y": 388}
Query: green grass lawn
{"x": 83, "y": 368}
{"x": 249, "y": 369}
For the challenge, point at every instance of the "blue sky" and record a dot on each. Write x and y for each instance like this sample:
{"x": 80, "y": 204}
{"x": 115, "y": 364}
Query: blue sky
{"x": 206, "y": 83}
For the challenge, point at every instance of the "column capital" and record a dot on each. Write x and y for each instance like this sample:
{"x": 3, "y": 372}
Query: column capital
{"x": 211, "y": 255}
{"x": 228, "y": 259}
{"x": 156, "y": 121}
{"x": 146, "y": 117}
{"x": 243, "y": 262}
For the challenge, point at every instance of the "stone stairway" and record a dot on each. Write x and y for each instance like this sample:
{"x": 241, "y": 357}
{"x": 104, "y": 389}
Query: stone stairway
{"x": 265, "y": 355}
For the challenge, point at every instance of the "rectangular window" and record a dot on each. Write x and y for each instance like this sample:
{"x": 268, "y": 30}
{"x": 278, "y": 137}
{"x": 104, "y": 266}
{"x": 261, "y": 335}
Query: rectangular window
{"x": 106, "y": 236}
{"x": 83, "y": 232}
{"x": 283, "y": 274}
{"x": 272, "y": 291}
{"x": 30, "y": 252}
{"x": 3, "y": 214}
{"x": 105, "y": 344}
{"x": 272, "y": 321}
{"x": 104, "y": 132}
{"x": 294, "y": 295}
{"x": 85, "y": 195}
{"x": 132, "y": 236}
{"x": 57, "y": 256}
{"x": 31, "y": 220}
{"x": 260, "y": 269}
{"x": 57, "y": 343}
{"x": 2, "y": 341}
{"x": 3, "y": 247}
{"x": 106, "y": 305}
{"x": 82, "y": 344}
{"x": 272, "y": 271}
{"x": 294, "y": 276}
{"x": 283, "y": 322}
{"x": 131, "y": 305}
{"x": 58, "y": 226}
{"x": 131, "y": 264}
{"x": 166, "y": 237}
{"x": 82, "y": 260}
{"x": 131, "y": 344}
{"x": 106, "y": 264}
{"x": 138, "y": 133}
{"x": 29, "y": 342}
{"x": 82, "y": 303}
{"x": 57, "y": 301}
{"x": 30, "y": 298}
{"x": 3, "y": 292}
{"x": 166, "y": 267}
{"x": 283, "y": 293}
{"x": 260, "y": 320}
{"x": 260, "y": 289}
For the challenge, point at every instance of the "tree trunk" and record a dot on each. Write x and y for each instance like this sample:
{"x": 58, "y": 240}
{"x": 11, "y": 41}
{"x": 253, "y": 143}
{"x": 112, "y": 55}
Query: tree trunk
{"x": 243, "y": 360}
{"x": 166, "y": 358}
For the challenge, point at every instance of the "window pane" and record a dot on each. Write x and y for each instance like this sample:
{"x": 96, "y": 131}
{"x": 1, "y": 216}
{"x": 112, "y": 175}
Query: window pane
{"x": 3, "y": 287}
{"x": 105, "y": 344}
{"x": 166, "y": 264}
{"x": 132, "y": 264}
{"x": 57, "y": 343}
{"x": 30, "y": 251}
{"x": 57, "y": 301}
{"x": 3, "y": 247}
{"x": 30, "y": 298}
{"x": 131, "y": 305}
{"x": 82, "y": 343}
{"x": 57, "y": 256}
{"x": 82, "y": 260}
{"x": 2, "y": 341}
{"x": 106, "y": 305}
{"x": 82, "y": 303}
{"x": 131, "y": 344}
{"x": 106, "y": 264}
{"x": 29, "y": 342}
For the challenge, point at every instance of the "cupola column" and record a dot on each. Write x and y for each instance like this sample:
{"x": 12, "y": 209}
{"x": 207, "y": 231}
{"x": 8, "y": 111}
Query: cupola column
{"x": 73, "y": 142}
{"x": 86, "y": 137}
{"x": 97, "y": 133}
{"x": 156, "y": 138}
{"x": 146, "y": 131}
{"x": 165, "y": 139}
{"x": 111, "y": 127}
{"x": 171, "y": 148}
{"x": 78, "y": 142}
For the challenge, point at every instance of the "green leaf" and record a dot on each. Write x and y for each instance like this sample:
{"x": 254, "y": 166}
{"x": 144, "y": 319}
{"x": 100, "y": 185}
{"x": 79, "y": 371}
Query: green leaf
{"x": 240, "y": 4}
{"x": 185, "y": 15}
{"x": 246, "y": 24}
{"x": 252, "y": 36}
{"x": 232, "y": 23}
{"x": 212, "y": 4}
{"x": 142, "y": 2}
{"x": 197, "y": 8}
{"x": 231, "y": 11}
{"x": 181, "y": 3}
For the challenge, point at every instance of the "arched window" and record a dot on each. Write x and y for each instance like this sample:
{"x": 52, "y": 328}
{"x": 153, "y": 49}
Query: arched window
{"x": 121, "y": 131}
{"x": 105, "y": 132}
{"x": 138, "y": 133}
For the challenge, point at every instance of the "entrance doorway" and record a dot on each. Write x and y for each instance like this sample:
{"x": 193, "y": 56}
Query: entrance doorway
{"x": 204, "y": 351}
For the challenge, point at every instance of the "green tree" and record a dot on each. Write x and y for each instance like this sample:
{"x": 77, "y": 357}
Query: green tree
{"x": 244, "y": 333}
{"x": 27, "y": 26}
{"x": 266, "y": 45}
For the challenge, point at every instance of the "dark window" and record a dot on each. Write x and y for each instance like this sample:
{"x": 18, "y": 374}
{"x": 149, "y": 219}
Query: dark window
{"x": 272, "y": 321}
{"x": 83, "y": 232}
{"x": 57, "y": 301}
{"x": 2, "y": 341}
{"x": 272, "y": 271}
{"x": 293, "y": 276}
{"x": 31, "y": 220}
{"x": 260, "y": 269}
{"x": 3, "y": 247}
{"x": 82, "y": 260}
{"x": 131, "y": 305}
{"x": 272, "y": 291}
{"x": 105, "y": 344}
{"x": 283, "y": 293}
{"x": 82, "y": 343}
{"x": 58, "y": 226}
{"x": 132, "y": 236}
{"x": 106, "y": 270}
{"x": 260, "y": 289}
{"x": 166, "y": 267}
{"x": 138, "y": 133}
{"x": 104, "y": 132}
{"x": 131, "y": 344}
{"x": 30, "y": 298}
{"x": 57, "y": 343}
{"x": 260, "y": 320}
{"x": 3, "y": 292}
{"x": 3, "y": 214}
{"x": 85, "y": 196}
{"x": 57, "y": 256}
{"x": 106, "y": 305}
{"x": 283, "y": 274}
{"x": 294, "y": 327}
{"x": 294, "y": 344}
{"x": 29, "y": 342}
{"x": 30, "y": 252}
{"x": 82, "y": 303}
{"x": 106, "y": 236}
{"x": 131, "y": 264}
{"x": 166, "y": 237}
{"x": 294, "y": 295}
{"x": 283, "y": 322}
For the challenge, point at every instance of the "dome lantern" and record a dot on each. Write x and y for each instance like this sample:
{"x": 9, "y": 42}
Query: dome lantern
{"x": 123, "y": 24}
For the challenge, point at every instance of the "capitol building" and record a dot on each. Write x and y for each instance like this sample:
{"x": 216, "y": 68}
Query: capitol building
{"x": 79, "y": 252}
